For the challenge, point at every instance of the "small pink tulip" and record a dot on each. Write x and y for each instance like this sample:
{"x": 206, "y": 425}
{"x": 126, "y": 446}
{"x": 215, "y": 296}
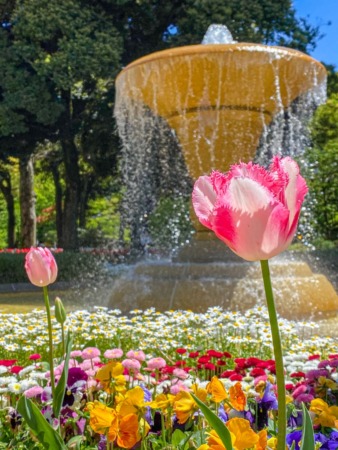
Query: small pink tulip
{"x": 40, "y": 266}
{"x": 253, "y": 210}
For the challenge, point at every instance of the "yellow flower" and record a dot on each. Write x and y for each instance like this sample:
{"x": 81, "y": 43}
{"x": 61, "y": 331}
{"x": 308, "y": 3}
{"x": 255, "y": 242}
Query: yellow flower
{"x": 243, "y": 435}
{"x": 326, "y": 416}
{"x": 184, "y": 404}
{"x": 237, "y": 397}
{"x": 323, "y": 385}
{"x": 101, "y": 417}
{"x": 272, "y": 443}
{"x": 263, "y": 440}
{"x": 217, "y": 390}
{"x": 214, "y": 442}
{"x": 132, "y": 403}
{"x": 111, "y": 377}
{"x": 105, "y": 420}
{"x": 162, "y": 401}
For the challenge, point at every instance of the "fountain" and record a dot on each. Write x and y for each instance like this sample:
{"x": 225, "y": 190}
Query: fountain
{"x": 204, "y": 107}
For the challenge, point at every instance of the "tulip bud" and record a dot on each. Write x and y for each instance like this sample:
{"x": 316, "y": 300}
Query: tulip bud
{"x": 40, "y": 266}
{"x": 60, "y": 312}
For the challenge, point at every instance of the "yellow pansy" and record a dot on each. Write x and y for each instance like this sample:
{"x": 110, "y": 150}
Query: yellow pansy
{"x": 272, "y": 443}
{"x": 184, "y": 404}
{"x": 132, "y": 403}
{"x": 217, "y": 390}
{"x": 162, "y": 401}
{"x": 111, "y": 377}
{"x": 101, "y": 417}
{"x": 326, "y": 416}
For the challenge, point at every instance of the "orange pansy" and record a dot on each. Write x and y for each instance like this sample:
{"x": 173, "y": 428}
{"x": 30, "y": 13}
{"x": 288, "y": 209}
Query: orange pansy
{"x": 237, "y": 397}
{"x": 243, "y": 435}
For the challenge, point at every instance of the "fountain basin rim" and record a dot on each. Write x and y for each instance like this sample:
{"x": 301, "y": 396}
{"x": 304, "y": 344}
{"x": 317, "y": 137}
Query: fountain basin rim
{"x": 205, "y": 49}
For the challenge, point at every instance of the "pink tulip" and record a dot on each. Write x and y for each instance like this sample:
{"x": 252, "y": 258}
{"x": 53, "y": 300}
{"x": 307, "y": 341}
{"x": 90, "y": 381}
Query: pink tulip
{"x": 41, "y": 266}
{"x": 253, "y": 210}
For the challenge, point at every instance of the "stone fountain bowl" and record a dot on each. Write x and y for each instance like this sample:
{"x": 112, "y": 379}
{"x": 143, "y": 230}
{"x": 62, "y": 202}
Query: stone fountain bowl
{"x": 218, "y": 98}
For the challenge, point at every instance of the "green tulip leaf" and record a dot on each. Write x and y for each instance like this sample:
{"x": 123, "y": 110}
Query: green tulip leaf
{"x": 61, "y": 386}
{"x": 46, "y": 434}
{"x": 308, "y": 439}
{"x": 216, "y": 423}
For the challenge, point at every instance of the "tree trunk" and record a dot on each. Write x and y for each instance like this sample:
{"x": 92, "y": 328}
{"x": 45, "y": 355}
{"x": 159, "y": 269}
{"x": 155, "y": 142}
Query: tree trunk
{"x": 72, "y": 178}
{"x": 87, "y": 184}
{"x": 58, "y": 202}
{"x": 6, "y": 189}
{"x": 27, "y": 202}
{"x": 71, "y": 199}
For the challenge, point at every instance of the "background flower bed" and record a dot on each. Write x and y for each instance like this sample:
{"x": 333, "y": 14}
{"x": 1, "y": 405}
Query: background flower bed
{"x": 161, "y": 333}
{"x": 190, "y": 348}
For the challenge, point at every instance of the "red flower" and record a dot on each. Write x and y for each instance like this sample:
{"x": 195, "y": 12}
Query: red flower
{"x": 252, "y": 361}
{"x": 263, "y": 364}
{"x": 297, "y": 375}
{"x": 227, "y": 373}
{"x": 214, "y": 353}
{"x": 272, "y": 368}
{"x": 181, "y": 351}
{"x": 257, "y": 372}
{"x": 333, "y": 356}
{"x": 167, "y": 369}
{"x": 16, "y": 369}
{"x": 312, "y": 357}
{"x": 193, "y": 354}
{"x": 180, "y": 363}
{"x": 220, "y": 362}
{"x": 227, "y": 354}
{"x": 7, "y": 362}
{"x": 210, "y": 366}
{"x": 289, "y": 386}
{"x": 236, "y": 377}
{"x": 203, "y": 359}
{"x": 35, "y": 356}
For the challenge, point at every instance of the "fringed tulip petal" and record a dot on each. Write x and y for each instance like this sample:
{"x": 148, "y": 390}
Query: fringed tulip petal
{"x": 254, "y": 211}
{"x": 203, "y": 199}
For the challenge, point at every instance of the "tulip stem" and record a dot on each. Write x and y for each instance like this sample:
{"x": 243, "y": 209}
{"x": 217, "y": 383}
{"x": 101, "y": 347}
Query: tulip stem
{"x": 277, "y": 348}
{"x": 50, "y": 337}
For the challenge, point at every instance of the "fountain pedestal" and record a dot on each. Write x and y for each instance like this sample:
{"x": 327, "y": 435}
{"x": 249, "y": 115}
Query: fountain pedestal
{"x": 232, "y": 284}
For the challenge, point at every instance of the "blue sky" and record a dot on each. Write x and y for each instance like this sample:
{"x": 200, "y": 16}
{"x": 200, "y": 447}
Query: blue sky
{"x": 319, "y": 12}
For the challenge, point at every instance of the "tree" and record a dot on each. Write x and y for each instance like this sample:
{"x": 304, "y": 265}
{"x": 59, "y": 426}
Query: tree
{"x": 62, "y": 50}
{"x": 6, "y": 190}
{"x": 323, "y": 159}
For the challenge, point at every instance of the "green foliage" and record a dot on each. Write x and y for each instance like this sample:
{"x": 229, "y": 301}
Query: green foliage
{"x": 170, "y": 224}
{"x": 103, "y": 221}
{"x": 322, "y": 176}
{"x": 44, "y": 432}
{"x": 61, "y": 385}
{"x": 308, "y": 439}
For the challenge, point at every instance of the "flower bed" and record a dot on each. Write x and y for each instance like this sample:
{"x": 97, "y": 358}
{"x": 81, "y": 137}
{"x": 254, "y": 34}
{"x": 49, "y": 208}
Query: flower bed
{"x": 137, "y": 372}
